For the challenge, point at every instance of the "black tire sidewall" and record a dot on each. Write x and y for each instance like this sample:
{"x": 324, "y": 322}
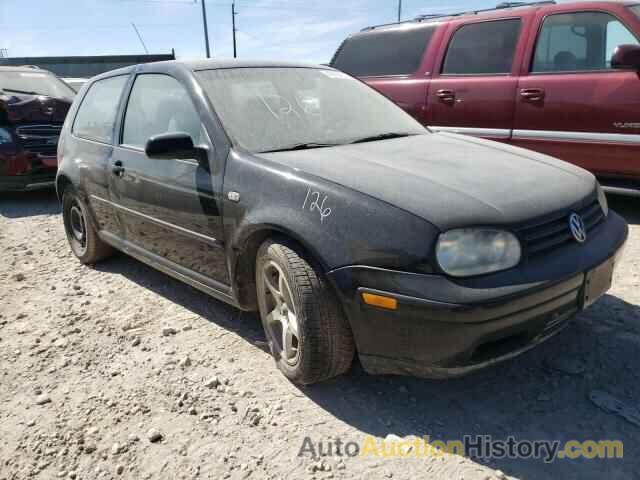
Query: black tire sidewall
{"x": 68, "y": 199}
{"x": 295, "y": 372}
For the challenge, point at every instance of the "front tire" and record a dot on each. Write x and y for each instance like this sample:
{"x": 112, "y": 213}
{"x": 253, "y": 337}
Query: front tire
{"x": 81, "y": 234}
{"x": 306, "y": 329}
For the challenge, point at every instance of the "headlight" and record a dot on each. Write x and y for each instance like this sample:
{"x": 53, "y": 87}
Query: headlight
{"x": 602, "y": 199}
{"x": 474, "y": 251}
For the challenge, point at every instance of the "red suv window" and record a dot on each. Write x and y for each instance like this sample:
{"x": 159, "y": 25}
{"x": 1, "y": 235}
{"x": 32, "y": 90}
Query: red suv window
{"x": 485, "y": 48}
{"x": 384, "y": 52}
{"x": 580, "y": 41}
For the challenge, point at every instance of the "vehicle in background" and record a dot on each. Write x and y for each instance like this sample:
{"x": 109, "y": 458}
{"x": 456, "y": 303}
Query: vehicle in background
{"x": 298, "y": 191}
{"x": 559, "y": 79}
{"x": 75, "y": 83}
{"x": 33, "y": 107}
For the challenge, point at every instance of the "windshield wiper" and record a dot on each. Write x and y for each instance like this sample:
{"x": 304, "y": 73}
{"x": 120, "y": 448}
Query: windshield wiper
{"x": 382, "y": 136}
{"x": 301, "y": 146}
{"x": 20, "y": 91}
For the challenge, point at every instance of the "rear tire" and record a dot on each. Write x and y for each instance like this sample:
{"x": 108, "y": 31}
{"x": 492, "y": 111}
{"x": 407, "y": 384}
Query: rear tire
{"x": 306, "y": 329}
{"x": 81, "y": 233}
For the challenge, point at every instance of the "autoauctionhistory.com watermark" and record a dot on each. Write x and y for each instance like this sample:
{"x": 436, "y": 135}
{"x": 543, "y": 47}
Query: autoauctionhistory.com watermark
{"x": 474, "y": 446}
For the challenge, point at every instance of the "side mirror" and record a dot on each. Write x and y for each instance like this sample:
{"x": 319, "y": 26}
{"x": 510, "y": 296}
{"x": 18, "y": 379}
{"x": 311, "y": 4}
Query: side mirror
{"x": 173, "y": 145}
{"x": 626, "y": 57}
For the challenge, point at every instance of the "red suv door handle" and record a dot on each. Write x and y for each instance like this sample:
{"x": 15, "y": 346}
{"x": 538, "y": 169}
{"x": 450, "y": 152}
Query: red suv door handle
{"x": 532, "y": 94}
{"x": 446, "y": 96}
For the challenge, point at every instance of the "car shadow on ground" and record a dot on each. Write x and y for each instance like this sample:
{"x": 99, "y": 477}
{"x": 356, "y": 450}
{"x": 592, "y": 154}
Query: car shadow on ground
{"x": 29, "y": 204}
{"x": 543, "y": 394}
{"x": 246, "y": 324}
{"x": 627, "y": 207}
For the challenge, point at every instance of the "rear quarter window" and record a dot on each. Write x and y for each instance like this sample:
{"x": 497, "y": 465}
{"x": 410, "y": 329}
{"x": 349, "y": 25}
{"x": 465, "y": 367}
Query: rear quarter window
{"x": 385, "y": 52}
{"x": 97, "y": 113}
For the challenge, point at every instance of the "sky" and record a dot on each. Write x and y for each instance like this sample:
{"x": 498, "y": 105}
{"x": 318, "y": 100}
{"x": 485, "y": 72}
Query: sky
{"x": 298, "y": 30}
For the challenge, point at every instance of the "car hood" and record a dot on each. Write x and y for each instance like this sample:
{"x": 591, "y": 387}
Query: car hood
{"x": 450, "y": 180}
{"x": 22, "y": 108}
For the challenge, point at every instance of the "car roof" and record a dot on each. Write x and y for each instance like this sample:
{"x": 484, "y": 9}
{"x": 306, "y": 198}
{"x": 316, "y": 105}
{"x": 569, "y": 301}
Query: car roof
{"x": 204, "y": 64}
{"x": 221, "y": 64}
{"x": 498, "y": 11}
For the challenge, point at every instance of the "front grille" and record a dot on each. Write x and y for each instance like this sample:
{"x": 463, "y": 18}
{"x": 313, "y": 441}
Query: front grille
{"x": 554, "y": 232}
{"x": 41, "y": 139}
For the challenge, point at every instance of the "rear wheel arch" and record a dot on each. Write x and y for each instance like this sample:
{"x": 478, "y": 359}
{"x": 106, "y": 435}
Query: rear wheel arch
{"x": 62, "y": 183}
{"x": 80, "y": 229}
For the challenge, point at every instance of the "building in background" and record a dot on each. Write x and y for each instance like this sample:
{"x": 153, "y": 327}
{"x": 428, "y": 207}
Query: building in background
{"x": 85, "y": 67}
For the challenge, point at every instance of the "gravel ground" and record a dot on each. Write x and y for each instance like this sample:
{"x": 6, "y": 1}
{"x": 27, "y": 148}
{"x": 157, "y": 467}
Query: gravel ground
{"x": 118, "y": 371}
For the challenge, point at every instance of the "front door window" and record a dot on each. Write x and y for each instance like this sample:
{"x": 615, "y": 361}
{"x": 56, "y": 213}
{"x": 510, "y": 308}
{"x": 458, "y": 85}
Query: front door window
{"x": 579, "y": 42}
{"x": 159, "y": 104}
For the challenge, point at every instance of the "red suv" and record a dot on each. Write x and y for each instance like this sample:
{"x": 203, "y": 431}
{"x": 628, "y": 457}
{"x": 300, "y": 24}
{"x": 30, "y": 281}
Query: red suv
{"x": 559, "y": 79}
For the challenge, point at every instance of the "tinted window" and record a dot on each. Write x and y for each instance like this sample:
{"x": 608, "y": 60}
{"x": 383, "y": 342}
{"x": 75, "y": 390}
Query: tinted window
{"x": 265, "y": 109}
{"x": 636, "y": 9}
{"x": 391, "y": 52}
{"x": 483, "y": 48}
{"x": 576, "y": 42}
{"x": 97, "y": 114}
{"x": 158, "y": 104}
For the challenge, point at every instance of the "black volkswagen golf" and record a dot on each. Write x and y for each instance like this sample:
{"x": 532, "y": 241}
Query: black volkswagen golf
{"x": 300, "y": 192}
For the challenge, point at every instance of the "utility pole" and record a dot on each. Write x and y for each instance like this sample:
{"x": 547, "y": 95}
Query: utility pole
{"x": 206, "y": 31}
{"x": 233, "y": 22}
{"x": 399, "y": 10}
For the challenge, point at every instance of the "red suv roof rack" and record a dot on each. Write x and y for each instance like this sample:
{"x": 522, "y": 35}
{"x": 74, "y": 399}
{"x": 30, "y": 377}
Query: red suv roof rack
{"x": 500, "y": 6}
{"x": 432, "y": 16}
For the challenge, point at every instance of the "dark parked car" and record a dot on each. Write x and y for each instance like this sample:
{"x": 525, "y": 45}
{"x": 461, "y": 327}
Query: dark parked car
{"x": 558, "y": 79}
{"x": 33, "y": 106}
{"x": 301, "y": 192}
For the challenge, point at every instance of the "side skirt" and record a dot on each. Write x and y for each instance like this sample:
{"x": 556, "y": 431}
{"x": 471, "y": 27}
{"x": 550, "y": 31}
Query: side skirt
{"x": 215, "y": 289}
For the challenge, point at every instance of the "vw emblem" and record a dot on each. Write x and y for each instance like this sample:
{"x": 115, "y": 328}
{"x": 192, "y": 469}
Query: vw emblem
{"x": 577, "y": 228}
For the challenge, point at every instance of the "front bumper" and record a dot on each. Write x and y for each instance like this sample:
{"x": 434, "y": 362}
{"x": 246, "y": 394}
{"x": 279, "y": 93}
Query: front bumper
{"x": 449, "y": 327}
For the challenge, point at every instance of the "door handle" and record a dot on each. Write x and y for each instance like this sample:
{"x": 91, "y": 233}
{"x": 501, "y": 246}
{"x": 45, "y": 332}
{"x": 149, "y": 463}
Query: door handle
{"x": 118, "y": 169}
{"x": 446, "y": 96}
{"x": 532, "y": 94}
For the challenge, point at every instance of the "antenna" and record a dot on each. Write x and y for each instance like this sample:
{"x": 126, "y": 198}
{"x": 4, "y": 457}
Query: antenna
{"x": 140, "y": 38}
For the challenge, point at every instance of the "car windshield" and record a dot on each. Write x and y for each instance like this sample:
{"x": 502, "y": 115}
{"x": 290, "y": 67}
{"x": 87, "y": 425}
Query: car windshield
{"x": 35, "y": 83}
{"x": 270, "y": 109}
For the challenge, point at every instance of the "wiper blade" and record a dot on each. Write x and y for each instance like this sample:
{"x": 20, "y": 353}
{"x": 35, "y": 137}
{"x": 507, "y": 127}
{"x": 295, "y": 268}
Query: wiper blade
{"x": 301, "y": 146}
{"x": 383, "y": 136}
{"x": 19, "y": 91}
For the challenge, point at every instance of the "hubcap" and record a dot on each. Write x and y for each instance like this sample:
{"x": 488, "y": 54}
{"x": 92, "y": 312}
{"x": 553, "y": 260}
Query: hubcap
{"x": 77, "y": 224}
{"x": 281, "y": 321}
